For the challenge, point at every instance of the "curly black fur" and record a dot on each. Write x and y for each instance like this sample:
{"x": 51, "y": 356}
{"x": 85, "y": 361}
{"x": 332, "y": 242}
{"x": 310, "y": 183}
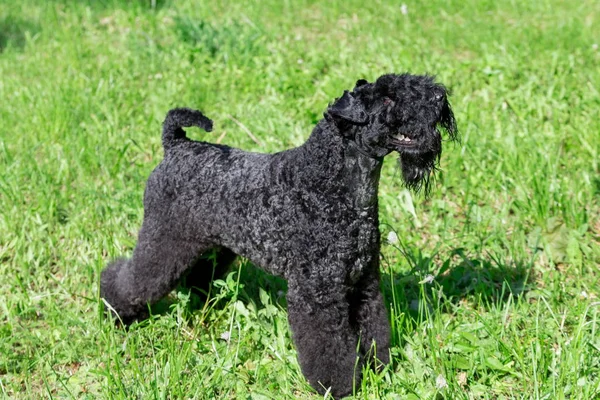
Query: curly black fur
{"x": 308, "y": 214}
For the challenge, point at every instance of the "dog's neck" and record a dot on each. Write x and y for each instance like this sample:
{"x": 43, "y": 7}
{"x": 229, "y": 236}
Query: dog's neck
{"x": 349, "y": 169}
{"x": 362, "y": 176}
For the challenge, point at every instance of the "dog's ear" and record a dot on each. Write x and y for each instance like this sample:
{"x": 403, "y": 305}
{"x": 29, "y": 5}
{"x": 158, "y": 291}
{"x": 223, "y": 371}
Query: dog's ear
{"x": 448, "y": 122}
{"x": 348, "y": 108}
{"x": 360, "y": 82}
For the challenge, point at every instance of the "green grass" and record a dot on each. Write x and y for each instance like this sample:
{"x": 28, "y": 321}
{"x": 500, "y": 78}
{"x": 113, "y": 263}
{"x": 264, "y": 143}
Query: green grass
{"x": 510, "y": 234}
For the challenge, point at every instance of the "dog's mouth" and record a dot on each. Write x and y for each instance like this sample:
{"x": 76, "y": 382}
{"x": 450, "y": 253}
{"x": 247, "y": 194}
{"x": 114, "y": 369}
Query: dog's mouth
{"x": 403, "y": 141}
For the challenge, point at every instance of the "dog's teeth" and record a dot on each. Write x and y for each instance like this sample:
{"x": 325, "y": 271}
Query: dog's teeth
{"x": 403, "y": 138}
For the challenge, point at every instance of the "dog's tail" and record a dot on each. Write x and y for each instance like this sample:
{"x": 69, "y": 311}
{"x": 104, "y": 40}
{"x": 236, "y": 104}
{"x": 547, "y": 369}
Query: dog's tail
{"x": 178, "y": 118}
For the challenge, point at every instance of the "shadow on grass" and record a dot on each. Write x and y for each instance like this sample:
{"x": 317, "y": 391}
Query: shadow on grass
{"x": 482, "y": 282}
{"x": 234, "y": 38}
{"x": 251, "y": 281}
{"x": 13, "y": 32}
{"x": 596, "y": 186}
{"x": 118, "y": 4}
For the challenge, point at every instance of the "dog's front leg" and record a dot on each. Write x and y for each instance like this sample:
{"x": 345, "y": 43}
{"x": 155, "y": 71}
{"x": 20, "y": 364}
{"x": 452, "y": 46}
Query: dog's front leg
{"x": 369, "y": 312}
{"x": 319, "y": 317}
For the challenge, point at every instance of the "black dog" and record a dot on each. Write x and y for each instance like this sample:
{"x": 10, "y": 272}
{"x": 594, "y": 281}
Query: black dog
{"x": 308, "y": 214}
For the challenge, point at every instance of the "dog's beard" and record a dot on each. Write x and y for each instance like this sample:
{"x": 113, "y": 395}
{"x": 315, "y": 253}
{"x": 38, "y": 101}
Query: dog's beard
{"x": 419, "y": 167}
{"x": 418, "y": 170}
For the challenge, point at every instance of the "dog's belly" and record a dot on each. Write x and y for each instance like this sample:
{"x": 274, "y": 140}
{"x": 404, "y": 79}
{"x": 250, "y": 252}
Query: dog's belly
{"x": 275, "y": 254}
{"x": 310, "y": 249}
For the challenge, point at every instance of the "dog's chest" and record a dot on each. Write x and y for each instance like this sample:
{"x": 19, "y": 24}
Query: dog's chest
{"x": 362, "y": 181}
{"x": 365, "y": 244}
{"x": 361, "y": 176}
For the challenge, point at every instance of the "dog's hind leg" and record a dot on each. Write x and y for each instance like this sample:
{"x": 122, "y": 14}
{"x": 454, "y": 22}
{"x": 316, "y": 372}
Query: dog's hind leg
{"x": 158, "y": 262}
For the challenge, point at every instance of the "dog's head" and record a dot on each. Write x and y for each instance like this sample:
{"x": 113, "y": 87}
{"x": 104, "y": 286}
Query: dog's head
{"x": 401, "y": 113}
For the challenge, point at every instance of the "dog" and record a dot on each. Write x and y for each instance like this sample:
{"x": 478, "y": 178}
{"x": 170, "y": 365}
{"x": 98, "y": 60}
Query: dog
{"x": 308, "y": 214}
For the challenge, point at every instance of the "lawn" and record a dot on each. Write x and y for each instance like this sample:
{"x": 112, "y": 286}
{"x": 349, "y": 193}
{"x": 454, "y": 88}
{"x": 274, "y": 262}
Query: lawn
{"x": 492, "y": 283}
